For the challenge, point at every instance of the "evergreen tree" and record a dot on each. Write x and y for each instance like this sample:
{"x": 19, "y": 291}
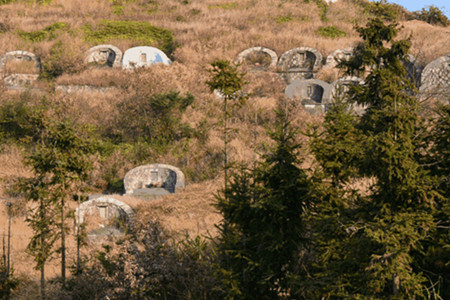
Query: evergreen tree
{"x": 263, "y": 231}
{"x": 226, "y": 80}
{"x": 59, "y": 162}
{"x": 381, "y": 232}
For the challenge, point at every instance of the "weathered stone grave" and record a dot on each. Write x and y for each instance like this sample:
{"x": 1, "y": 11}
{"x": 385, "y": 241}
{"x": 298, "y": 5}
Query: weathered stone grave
{"x": 337, "y": 56}
{"x": 413, "y": 69}
{"x": 313, "y": 94}
{"x": 257, "y": 59}
{"x": 104, "y": 56}
{"x": 435, "y": 80}
{"x": 143, "y": 56}
{"x": 340, "y": 87}
{"x": 104, "y": 216}
{"x": 299, "y": 63}
{"x": 153, "y": 181}
{"x": 19, "y": 69}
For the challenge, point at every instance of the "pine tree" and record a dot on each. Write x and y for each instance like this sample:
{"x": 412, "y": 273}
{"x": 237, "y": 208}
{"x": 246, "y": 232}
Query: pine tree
{"x": 59, "y": 163}
{"x": 263, "y": 231}
{"x": 381, "y": 232}
{"x": 226, "y": 80}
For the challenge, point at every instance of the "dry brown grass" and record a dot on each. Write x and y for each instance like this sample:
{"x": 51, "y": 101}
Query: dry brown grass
{"x": 203, "y": 31}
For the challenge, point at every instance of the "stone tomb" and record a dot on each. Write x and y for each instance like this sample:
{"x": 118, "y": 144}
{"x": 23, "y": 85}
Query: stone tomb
{"x": 104, "y": 56}
{"x": 299, "y": 63}
{"x": 313, "y": 94}
{"x": 340, "y": 87}
{"x": 104, "y": 216}
{"x": 153, "y": 181}
{"x": 20, "y": 62}
{"x": 257, "y": 59}
{"x": 19, "y": 69}
{"x": 413, "y": 69}
{"x": 143, "y": 56}
{"x": 436, "y": 78}
{"x": 337, "y": 56}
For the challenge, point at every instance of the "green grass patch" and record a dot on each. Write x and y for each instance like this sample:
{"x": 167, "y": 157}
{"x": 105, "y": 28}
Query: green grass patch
{"x": 48, "y": 33}
{"x": 289, "y": 18}
{"x": 331, "y": 32}
{"x": 142, "y": 32}
{"x": 231, "y": 5}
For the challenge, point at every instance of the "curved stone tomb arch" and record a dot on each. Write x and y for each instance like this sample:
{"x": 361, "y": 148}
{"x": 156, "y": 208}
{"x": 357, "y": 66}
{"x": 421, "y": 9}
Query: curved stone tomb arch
{"x": 336, "y": 56}
{"x": 104, "y": 55}
{"x": 312, "y": 93}
{"x": 157, "y": 179}
{"x": 258, "y": 59}
{"x": 436, "y": 77}
{"x": 20, "y": 62}
{"x": 299, "y": 63}
{"x": 143, "y": 56}
{"x": 106, "y": 207}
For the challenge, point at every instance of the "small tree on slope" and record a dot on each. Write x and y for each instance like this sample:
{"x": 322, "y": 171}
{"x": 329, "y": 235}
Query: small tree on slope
{"x": 263, "y": 230}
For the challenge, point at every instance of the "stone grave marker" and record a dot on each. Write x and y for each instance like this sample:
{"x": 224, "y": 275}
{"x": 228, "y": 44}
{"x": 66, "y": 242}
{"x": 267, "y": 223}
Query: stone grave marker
{"x": 313, "y": 94}
{"x": 413, "y": 69}
{"x": 435, "y": 80}
{"x": 340, "y": 87}
{"x": 104, "y": 56}
{"x": 153, "y": 181}
{"x": 108, "y": 214}
{"x": 143, "y": 56}
{"x": 335, "y": 57}
{"x": 299, "y": 63}
{"x": 19, "y": 69}
{"x": 257, "y": 59}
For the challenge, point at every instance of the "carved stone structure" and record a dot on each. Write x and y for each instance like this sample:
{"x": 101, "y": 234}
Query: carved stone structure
{"x": 314, "y": 94}
{"x": 143, "y": 56}
{"x": 19, "y": 69}
{"x": 31, "y": 62}
{"x": 342, "y": 54}
{"x": 84, "y": 89}
{"x": 299, "y": 63}
{"x": 104, "y": 55}
{"x": 258, "y": 59}
{"x": 413, "y": 69}
{"x": 106, "y": 207}
{"x": 340, "y": 87}
{"x": 436, "y": 78}
{"x": 19, "y": 81}
{"x": 153, "y": 181}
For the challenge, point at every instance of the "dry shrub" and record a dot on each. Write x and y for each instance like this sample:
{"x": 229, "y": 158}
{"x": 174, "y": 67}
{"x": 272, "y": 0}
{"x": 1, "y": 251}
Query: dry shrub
{"x": 328, "y": 74}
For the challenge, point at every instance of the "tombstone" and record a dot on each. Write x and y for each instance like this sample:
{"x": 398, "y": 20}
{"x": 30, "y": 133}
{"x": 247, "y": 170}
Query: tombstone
{"x": 340, "y": 87}
{"x": 153, "y": 181}
{"x": 342, "y": 54}
{"x": 313, "y": 94}
{"x": 413, "y": 69}
{"x": 435, "y": 78}
{"x": 143, "y": 56}
{"x": 110, "y": 214}
{"x": 104, "y": 56}
{"x": 21, "y": 62}
{"x": 258, "y": 59}
{"x": 299, "y": 63}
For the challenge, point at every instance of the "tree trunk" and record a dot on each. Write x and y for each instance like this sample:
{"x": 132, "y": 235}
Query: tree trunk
{"x": 63, "y": 245}
{"x": 42, "y": 283}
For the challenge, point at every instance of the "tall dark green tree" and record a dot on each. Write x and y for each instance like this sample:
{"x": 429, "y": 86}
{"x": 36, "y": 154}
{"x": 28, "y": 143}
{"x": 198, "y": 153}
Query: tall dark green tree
{"x": 384, "y": 230}
{"x": 263, "y": 231}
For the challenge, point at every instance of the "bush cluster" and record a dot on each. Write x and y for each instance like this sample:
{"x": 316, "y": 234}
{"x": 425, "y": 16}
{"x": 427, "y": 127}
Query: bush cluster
{"x": 142, "y": 32}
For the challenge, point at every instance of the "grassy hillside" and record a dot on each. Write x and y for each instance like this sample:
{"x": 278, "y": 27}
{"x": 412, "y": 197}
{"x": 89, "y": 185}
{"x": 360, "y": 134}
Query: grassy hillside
{"x": 193, "y": 34}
